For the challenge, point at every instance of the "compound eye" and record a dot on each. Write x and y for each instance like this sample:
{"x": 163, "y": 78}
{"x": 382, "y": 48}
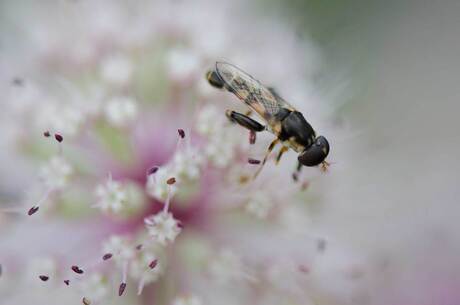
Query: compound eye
{"x": 214, "y": 79}
{"x": 316, "y": 153}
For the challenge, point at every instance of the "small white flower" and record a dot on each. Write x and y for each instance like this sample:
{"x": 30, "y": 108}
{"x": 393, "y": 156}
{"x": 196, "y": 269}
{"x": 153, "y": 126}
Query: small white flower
{"x": 95, "y": 287}
{"x": 117, "y": 198}
{"x": 220, "y": 147}
{"x": 259, "y": 205}
{"x": 116, "y": 69}
{"x": 111, "y": 196}
{"x": 187, "y": 300}
{"x": 56, "y": 172}
{"x": 120, "y": 110}
{"x": 121, "y": 248}
{"x": 156, "y": 185}
{"x": 208, "y": 121}
{"x": 220, "y": 151}
{"x": 182, "y": 64}
{"x": 162, "y": 227}
{"x": 186, "y": 163}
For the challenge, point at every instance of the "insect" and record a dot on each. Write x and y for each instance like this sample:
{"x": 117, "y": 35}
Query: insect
{"x": 283, "y": 120}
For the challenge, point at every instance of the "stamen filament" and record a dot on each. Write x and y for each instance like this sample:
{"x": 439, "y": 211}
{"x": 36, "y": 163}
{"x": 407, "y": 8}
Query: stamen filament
{"x": 36, "y": 207}
{"x": 168, "y": 200}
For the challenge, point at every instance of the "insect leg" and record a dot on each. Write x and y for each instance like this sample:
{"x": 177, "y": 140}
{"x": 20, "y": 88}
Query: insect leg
{"x": 295, "y": 175}
{"x": 324, "y": 166}
{"x": 244, "y": 121}
{"x": 252, "y": 134}
{"x": 269, "y": 150}
{"x": 252, "y": 137}
{"x": 280, "y": 154}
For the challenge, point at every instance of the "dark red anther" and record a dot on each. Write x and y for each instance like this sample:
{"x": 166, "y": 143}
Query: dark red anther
{"x": 171, "y": 181}
{"x": 58, "y": 137}
{"x": 47, "y": 134}
{"x": 253, "y": 161}
{"x": 44, "y": 278}
{"x": 152, "y": 170}
{"x": 18, "y": 81}
{"x": 304, "y": 186}
{"x": 181, "y": 133}
{"x": 76, "y": 269}
{"x": 321, "y": 245}
{"x": 295, "y": 177}
{"x": 252, "y": 137}
{"x": 153, "y": 264}
{"x": 121, "y": 289}
{"x": 32, "y": 210}
{"x": 139, "y": 247}
{"x": 67, "y": 282}
{"x": 107, "y": 256}
{"x": 304, "y": 269}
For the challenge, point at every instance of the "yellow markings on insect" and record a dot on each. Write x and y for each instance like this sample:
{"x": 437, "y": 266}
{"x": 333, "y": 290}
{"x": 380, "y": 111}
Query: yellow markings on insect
{"x": 280, "y": 154}
{"x": 208, "y": 75}
{"x": 243, "y": 94}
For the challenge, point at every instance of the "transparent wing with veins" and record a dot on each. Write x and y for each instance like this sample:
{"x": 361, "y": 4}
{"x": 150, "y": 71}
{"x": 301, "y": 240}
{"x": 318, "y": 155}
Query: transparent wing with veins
{"x": 251, "y": 91}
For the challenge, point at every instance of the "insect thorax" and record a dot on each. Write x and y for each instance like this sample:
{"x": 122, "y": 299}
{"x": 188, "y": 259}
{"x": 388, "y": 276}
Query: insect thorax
{"x": 296, "y": 132}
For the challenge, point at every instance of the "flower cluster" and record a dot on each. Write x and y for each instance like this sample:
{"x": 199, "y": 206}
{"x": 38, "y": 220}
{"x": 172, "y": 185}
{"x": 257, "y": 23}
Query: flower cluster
{"x": 143, "y": 179}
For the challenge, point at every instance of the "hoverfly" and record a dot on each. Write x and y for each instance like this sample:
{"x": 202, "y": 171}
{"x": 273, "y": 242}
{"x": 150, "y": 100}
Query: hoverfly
{"x": 284, "y": 121}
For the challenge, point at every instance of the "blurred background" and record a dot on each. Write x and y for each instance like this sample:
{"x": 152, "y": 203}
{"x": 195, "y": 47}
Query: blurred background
{"x": 379, "y": 79}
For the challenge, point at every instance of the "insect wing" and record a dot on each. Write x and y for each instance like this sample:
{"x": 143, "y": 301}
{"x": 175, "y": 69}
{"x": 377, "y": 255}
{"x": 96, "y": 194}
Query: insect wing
{"x": 249, "y": 90}
{"x": 282, "y": 102}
